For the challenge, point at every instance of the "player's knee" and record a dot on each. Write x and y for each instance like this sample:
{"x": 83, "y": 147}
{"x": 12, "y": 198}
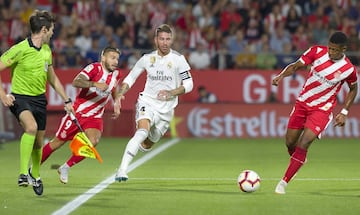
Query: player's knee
{"x": 31, "y": 129}
{"x": 290, "y": 142}
{"x": 56, "y": 143}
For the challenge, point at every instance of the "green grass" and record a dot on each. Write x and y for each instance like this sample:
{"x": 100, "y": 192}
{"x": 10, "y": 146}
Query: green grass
{"x": 195, "y": 176}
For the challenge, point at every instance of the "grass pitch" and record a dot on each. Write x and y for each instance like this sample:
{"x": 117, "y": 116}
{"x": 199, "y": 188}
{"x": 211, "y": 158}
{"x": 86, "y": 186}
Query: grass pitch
{"x": 194, "y": 176}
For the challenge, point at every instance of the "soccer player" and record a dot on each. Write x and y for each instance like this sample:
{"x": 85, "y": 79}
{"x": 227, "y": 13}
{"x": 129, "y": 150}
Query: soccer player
{"x": 97, "y": 82}
{"x": 168, "y": 76}
{"x": 31, "y": 67}
{"x": 312, "y": 113}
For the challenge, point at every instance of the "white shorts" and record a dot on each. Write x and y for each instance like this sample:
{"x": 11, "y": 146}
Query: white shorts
{"x": 158, "y": 121}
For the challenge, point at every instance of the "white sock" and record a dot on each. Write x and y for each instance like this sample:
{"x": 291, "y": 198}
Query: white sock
{"x": 132, "y": 148}
{"x": 65, "y": 165}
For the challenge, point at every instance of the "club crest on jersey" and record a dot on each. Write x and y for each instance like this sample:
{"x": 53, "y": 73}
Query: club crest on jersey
{"x": 337, "y": 74}
{"x": 169, "y": 65}
{"x": 152, "y": 61}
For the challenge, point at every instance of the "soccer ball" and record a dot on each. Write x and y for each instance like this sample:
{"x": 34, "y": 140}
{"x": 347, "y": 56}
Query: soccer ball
{"x": 248, "y": 181}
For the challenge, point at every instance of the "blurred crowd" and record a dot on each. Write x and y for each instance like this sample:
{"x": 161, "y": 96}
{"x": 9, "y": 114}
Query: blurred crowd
{"x": 213, "y": 34}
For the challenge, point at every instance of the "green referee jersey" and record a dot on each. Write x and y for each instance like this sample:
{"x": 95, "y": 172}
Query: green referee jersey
{"x": 29, "y": 66}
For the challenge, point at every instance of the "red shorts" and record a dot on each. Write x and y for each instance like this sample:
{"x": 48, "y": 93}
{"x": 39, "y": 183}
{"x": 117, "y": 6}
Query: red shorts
{"x": 303, "y": 116}
{"x": 68, "y": 129}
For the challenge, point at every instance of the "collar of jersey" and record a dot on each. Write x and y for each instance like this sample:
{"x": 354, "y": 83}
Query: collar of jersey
{"x": 31, "y": 44}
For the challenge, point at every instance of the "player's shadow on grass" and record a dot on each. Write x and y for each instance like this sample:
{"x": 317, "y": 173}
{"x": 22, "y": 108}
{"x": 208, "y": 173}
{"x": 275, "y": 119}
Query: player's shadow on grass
{"x": 337, "y": 193}
{"x": 164, "y": 190}
{"x": 183, "y": 187}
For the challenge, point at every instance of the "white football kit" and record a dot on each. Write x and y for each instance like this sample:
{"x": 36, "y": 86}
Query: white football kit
{"x": 163, "y": 73}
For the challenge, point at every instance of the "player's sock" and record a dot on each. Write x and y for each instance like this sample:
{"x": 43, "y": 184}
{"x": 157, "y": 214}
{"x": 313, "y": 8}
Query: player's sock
{"x": 26, "y": 147}
{"x": 74, "y": 160}
{"x": 296, "y": 161}
{"x": 132, "y": 148}
{"x": 46, "y": 152}
{"x": 36, "y": 156}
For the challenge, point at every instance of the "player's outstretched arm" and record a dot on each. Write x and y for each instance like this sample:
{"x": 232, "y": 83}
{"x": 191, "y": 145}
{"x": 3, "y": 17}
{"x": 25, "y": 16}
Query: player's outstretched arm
{"x": 287, "y": 71}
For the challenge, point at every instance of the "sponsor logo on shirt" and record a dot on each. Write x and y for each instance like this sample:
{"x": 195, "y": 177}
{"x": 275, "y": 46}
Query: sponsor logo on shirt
{"x": 323, "y": 80}
{"x": 160, "y": 76}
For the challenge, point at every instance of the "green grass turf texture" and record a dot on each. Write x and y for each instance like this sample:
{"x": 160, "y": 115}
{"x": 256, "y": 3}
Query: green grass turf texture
{"x": 195, "y": 176}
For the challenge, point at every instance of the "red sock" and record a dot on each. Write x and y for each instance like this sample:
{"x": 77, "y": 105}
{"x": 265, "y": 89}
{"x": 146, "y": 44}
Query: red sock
{"x": 46, "y": 152}
{"x": 74, "y": 160}
{"x": 296, "y": 161}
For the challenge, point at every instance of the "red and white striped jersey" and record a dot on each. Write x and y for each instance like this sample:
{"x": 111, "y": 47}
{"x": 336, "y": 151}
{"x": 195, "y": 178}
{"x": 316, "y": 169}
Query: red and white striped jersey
{"x": 90, "y": 102}
{"x": 325, "y": 78}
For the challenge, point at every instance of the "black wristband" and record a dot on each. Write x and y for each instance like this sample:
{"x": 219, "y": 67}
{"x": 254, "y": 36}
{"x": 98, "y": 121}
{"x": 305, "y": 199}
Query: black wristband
{"x": 68, "y": 101}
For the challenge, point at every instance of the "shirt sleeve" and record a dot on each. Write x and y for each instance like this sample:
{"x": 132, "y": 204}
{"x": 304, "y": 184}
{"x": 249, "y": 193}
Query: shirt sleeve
{"x": 184, "y": 69}
{"x": 309, "y": 55}
{"x": 89, "y": 71}
{"x": 135, "y": 72}
{"x": 353, "y": 78}
{"x": 11, "y": 56}
{"x": 184, "y": 66}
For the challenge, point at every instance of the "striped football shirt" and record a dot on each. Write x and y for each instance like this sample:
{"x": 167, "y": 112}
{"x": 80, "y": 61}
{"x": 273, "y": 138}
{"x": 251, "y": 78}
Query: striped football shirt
{"x": 325, "y": 78}
{"x": 90, "y": 102}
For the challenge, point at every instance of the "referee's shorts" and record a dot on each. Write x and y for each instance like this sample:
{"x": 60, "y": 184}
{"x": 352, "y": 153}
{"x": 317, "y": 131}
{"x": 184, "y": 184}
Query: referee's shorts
{"x": 35, "y": 104}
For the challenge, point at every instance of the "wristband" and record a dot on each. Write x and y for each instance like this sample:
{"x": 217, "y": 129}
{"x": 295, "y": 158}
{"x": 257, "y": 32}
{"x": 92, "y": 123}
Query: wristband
{"x": 68, "y": 101}
{"x": 344, "y": 112}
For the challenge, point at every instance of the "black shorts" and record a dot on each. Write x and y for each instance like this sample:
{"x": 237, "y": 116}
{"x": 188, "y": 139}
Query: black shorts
{"x": 35, "y": 104}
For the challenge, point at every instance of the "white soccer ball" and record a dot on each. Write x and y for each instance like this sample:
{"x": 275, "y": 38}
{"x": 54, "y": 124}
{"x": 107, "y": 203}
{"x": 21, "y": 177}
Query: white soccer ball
{"x": 248, "y": 181}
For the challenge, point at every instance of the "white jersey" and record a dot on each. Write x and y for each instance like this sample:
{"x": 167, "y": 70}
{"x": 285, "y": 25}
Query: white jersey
{"x": 163, "y": 73}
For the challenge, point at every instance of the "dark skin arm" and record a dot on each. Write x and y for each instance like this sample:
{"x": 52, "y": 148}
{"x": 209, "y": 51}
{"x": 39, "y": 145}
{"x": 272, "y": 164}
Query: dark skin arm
{"x": 287, "y": 71}
{"x": 350, "y": 97}
{"x": 292, "y": 68}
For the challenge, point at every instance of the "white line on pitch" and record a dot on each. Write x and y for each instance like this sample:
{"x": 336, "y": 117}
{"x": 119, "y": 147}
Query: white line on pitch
{"x": 232, "y": 179}
{"x": 77, "y": 202}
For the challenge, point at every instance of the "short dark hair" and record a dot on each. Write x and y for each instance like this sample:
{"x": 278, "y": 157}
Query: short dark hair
{"x": 339, "y": 38}
{"x": 110, "y": 49}
{"x": 39, "y": 19}
{"x": 163, "y": 28}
